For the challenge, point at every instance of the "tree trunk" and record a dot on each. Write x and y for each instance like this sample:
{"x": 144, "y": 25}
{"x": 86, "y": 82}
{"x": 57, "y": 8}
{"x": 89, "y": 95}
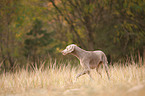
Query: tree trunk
{"x": 70, "y": 22}
{"x": 89, "y": 30}
{"x": 90, "y": 41}
{"x": 10, "y": 60}
{"x": 3, "y": 58}
{"x": 144, "y": 55}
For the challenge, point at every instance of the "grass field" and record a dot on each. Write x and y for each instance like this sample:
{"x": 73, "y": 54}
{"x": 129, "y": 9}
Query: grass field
{"x": 53, "y": 81}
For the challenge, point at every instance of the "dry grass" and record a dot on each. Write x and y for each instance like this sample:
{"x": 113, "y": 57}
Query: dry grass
{"x": 125, "y": 81}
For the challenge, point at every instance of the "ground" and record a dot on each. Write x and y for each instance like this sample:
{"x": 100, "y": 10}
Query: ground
{"x": 59, "y": 81}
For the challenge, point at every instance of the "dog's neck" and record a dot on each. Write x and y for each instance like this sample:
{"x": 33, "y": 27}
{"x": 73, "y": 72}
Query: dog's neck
{"x": 78, "y": 52}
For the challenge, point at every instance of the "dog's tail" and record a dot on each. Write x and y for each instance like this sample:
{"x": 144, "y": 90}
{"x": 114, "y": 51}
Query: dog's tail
{"x": 105, "y": 62}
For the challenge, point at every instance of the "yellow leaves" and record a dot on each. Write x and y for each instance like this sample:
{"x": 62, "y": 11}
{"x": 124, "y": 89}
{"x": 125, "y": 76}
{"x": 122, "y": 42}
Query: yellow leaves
{"x": 129, "y": 13}
{"x": 58, "y": 49}
{"x": 118, "y": 33}
{"x": 116, "y": 13}
{"x": 135, "y": 26}
{"x": 18, "y": 35}
{"x": 80, "y": 31}
{"x": 115, "y": 26}
{"x": 50, "y": 5}
{"x": 129, "y": 26}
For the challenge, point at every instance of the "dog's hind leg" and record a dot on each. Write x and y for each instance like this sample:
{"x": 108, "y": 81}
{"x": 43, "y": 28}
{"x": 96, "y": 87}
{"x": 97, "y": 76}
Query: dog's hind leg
{"x": 97, "y": 69}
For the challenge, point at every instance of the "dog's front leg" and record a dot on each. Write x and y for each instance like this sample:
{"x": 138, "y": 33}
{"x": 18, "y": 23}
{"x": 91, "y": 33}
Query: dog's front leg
{"x": 85, "y": 65}
{"x": 82, "y": 73}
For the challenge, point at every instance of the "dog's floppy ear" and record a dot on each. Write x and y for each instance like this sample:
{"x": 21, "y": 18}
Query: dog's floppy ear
{"x": 71, "y": 48}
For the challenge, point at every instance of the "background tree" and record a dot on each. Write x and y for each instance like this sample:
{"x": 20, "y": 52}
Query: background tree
{"x": 107, "y": 25}
{"x": 8, "y": 46}
{"x": 33, "y": 28}
{"x": 37, "y": 43}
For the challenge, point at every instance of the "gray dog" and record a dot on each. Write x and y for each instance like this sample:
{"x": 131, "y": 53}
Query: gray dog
{"x": 88, "y": 59}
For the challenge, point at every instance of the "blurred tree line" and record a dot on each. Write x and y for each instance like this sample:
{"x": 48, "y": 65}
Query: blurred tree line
{"x": 37, "y": 30}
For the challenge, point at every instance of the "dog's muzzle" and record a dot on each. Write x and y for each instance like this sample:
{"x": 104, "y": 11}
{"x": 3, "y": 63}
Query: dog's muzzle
{"x": 64, "y": 53}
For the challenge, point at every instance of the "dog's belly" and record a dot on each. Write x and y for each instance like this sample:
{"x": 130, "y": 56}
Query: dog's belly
{"x": 92, "y": 66}
{"x": 94, "y": 63}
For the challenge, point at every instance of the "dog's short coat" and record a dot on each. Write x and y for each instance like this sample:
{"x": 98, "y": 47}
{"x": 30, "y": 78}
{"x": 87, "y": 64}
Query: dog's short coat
{"x": 88, "y": 59}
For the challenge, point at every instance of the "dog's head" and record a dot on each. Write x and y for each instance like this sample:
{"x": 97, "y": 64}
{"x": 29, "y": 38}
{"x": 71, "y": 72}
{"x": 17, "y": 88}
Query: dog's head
{"x": 68, "y": 49}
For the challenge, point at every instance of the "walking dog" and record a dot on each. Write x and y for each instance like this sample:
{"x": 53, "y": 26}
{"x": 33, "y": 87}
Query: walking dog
{"x": 88, "y": 59}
